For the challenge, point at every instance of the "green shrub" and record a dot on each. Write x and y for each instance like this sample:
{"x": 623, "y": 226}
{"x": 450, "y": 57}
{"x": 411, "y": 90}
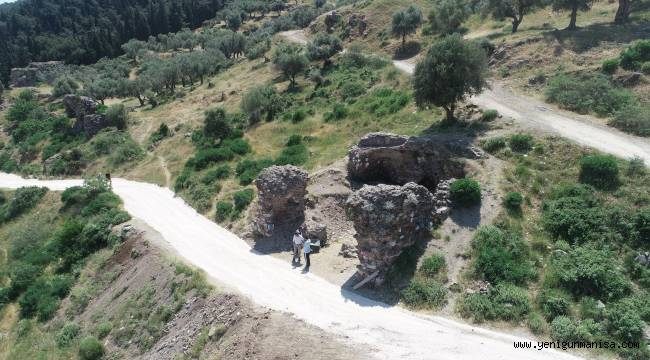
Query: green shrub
{"x": 247, "y": 170}
{"x": 433, "y": 264}
{"x": 103, "y": 329}
{"x": 587, "y": 93}
{"x": 633, "y": 57}
{"x": 200, "y": 195}
{"x": 600, "y": 171}
{"x": 536, "y": 324}
{"x": 610, "y": 66}
{"x": 521, "y": 142}
{"x": 117, "y": 116}
{"x": 90, "y": 349}
{"x": 513, "y": 201}
{"x": 501, "y": 256}
{"x": 293, "y": 155}
{"x": 63, "y": 86}
{"x": 68, "y": 332}
{"x": 162, "y": 132}
{"x": 352, "y": 89}
{"x": 205, "y": 157}
{"x": 563, "y": 329}
{"x": 624, "y": 321}
{"x": 489, "y": 115}
{"x": 238, "y": 146}
{"x": 465, "y": 192}
{"x": 633, "y": 118}
{"x": 385, "y": 101}
{"x": 645, "y": 68}
{"x": 339, "y": 111}
{"x": 22, "y": 201}
{"x": 217, "y": 173}
{"x": 591, "y": 272}
{"x": 636, "y": 166}
{"x": 242, "y": 199}
{"x": 128, "y": 151}
{"x": 421, "y": 293}
{"x": 494, "y": 144}
{"x": 553, "y": 303}
{"x": 223, "y": 211}
{"x": 503, "y": 302}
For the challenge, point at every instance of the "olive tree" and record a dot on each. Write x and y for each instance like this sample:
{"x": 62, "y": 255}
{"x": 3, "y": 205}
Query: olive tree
{"x": 323, "y": 47}
{"x": 513, "y": 9}
{"x": 447, "y": 16}
{"x": 452, "y": 69}
{"x": 574, "y": 6}
{"x": 406, "y": 22}
{"x": 291, "y": 60}
{"x": 623, "y": 11}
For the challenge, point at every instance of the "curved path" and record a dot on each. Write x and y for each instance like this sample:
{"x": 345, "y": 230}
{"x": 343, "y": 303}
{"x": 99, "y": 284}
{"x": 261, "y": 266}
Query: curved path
{"x": 395, "y": 333}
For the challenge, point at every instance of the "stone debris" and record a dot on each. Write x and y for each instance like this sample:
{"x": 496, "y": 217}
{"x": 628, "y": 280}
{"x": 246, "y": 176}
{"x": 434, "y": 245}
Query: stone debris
{"x": 643, "y": 259}
{"x": 281, "y": 199}
{"x": 84, "y": 109}
{"x": 388, "y": 219}
{"x": 348, "y": 251}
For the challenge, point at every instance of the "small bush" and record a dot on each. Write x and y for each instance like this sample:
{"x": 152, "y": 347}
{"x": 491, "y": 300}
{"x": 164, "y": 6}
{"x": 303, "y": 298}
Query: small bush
{"x": 385, "y": 101}
{"x": 513, "y": 201}
{"x": 63, "y": 86}
{"x": 489, "y": 115}
{"x": 117, "y": 116}
{"x": 503, "y": 302}
{"x": 247, "y": 170}
{"x": 432, "y": 265}
{"x": 645, "y": 68}
{"x": 536, "y": 324}
{"x": 584, "y": 94}
{"x": 203, "y": 158}
{"x": 633, "y": 118}
{"x": 633, "y": 57}
{"x": 90, "y": 349}
{"x": 553, "y": 303}
{"x": 23, "y": 200}
{"x": 465, "y": 192}
{"x": 218, "y": 173}
{"x": 103, "y": 329}
{"x": 494, "y": 144}
{"x": 352, "y": 89}
{"x": 424, "y": 294}
{"x": 600, "y": 171}
{"x": 160, "y": 134}
{"x": 521, "y": 142}
{"x": 68, "y": 332}
{"x": 223, "y": 211}
{"x": 636, "y": 166}
{"x": 501, "y": 256}
{"x": 610, "y": 66}
{"x": 624, "y": 321}
{"x": 563, "y": 329}
{"x": 339, "y": 111}
{"x": 242, "y": 199}
{"x": 126, "y": 152}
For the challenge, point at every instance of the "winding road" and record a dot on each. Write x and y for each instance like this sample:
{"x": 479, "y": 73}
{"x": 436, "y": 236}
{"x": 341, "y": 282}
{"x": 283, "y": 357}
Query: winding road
{"x": 393, "y": 332}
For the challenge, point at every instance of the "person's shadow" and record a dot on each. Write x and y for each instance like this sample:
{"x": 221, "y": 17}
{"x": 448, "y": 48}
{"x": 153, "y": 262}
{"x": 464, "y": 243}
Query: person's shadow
{"x": 305, "y": 269}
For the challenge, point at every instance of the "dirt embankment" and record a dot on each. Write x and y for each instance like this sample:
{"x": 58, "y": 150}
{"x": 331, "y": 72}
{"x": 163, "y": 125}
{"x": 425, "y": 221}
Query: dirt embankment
{"x": 196, "y": 321}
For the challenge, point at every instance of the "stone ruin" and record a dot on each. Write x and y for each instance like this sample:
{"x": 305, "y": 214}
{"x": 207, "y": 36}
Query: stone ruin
{"x": 406, "y": 189}
{"x": 33, "y": 73}
{"x": 388, "y": 219}
{"x": 394, "y": 159}
{"x": 84, "y": 110}
{"x": 281, "y": 199}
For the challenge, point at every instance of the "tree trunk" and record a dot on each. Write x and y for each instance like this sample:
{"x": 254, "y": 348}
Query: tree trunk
{"x": 141, "y": 100}
{"x": 515, "y": 23}
{"x": 574, "y": 17}
{"x": 403, "y": 40}
{"x": 449, "y": 111}
{"x": 623, "y": 12}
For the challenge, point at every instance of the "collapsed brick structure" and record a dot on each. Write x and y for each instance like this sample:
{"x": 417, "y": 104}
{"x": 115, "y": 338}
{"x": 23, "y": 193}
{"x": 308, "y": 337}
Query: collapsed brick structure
{"x": 84, "y": 109}
{"x": 34, "y": 73}
{"x": 388, "y": 219}
{"x": 281, "y": 199}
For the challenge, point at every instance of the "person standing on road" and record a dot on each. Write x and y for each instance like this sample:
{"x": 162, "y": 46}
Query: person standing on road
{"x": 306, "y": 248}
{"x": 298, "y": 241}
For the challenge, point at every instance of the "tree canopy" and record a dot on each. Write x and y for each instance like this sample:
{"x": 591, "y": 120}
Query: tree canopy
{"x": 406, "y": 22}
{"x": 452, "y": 69}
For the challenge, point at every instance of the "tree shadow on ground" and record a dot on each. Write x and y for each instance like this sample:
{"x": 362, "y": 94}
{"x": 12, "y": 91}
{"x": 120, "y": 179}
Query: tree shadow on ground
{"x": 588, "y": 37}
{"x": 409, "y": 50}
{"x": 281, "y": 240}
{"x": 468, "y": 217}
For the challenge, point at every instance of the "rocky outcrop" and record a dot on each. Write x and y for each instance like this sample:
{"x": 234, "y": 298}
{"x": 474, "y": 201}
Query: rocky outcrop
{"x": 388, "y": 219}
{"x": 79, "y": 106}
{"x": 393, "y": 159}
{"x": 84, "y": 109}
{"x": 33, "y": 73}
{"x": 628, "y": 80}
{"x": 281, "y": 199}
{"x": 442, "y": 200}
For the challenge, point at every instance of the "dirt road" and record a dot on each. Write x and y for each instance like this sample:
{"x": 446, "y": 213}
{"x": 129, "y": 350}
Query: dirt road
{"x": 393, "y": 332}
{"x": 539, "y": 116}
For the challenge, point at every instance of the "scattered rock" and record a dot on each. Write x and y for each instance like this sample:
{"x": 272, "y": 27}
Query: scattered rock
{"x": 643, "y": 259}
{"x": 348, "y": 251}
{"x": 393, "y": 159}
{"x": 537, "y": 80}
{"x": 388, "y": 219}
{"x": 90, "y": 125}
{"x": 628, "y": 80}
{"x": 281, "y": 198}
{"x": 315, "y": 230}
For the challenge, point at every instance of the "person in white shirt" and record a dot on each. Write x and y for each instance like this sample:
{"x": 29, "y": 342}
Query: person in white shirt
{"x": 298, "y": 241}
{"x": 306, "y": 248}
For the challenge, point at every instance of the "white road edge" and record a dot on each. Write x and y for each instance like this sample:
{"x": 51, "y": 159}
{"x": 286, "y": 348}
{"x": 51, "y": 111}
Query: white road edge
{"x": 393, "y": 332}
